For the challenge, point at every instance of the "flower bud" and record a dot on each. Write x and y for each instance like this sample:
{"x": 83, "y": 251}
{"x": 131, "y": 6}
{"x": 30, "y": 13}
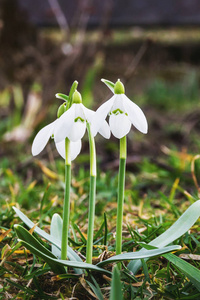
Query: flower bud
{"x": 61, "y": 110}
{"x": 76, "y": 98}
{"x": 119, "y": 87}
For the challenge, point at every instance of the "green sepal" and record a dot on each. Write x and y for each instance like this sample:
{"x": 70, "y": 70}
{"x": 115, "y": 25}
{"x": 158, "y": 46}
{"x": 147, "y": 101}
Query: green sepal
{"x": 76, "y": 98}
{"x": 119, "y": 87}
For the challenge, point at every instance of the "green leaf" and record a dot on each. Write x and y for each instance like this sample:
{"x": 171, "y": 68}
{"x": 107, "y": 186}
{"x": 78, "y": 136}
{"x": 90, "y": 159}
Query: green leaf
{"x": 25, "y": 289}
{"x": 99, "y": 294}
{"x": 70, "y": 253}
{"x": 109, "y": 84}
{"x": 96, "y": 290}
{"x": 56, "y": 232}
{"x": 106, "y": 230}
{"x": 82, "y": 236}
{"x": 189, "y": 270}
{"x": 25, "y": 236}
{"x": 66, "y": 263}
{"x": 62, "y": 96}
{"x": 181, "y": 226}
{"x": 116, "y": 286}
{"x": 139, "y": 254}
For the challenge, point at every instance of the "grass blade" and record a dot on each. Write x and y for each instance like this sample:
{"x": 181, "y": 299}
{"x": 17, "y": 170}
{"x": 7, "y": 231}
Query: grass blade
{"x": 189, "y": 270}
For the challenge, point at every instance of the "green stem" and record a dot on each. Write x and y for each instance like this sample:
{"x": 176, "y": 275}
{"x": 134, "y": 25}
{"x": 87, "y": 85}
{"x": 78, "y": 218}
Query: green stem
{"x": 120, "y": 199}
{"x": 91, "y": 214}
{"x": 66, "y": 206}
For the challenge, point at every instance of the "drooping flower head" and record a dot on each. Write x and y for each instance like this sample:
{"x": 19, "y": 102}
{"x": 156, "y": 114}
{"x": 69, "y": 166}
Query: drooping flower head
{"x": 42, "y": 137}
{"x": 122, "y": 114}
{"x": 72, "y": 124}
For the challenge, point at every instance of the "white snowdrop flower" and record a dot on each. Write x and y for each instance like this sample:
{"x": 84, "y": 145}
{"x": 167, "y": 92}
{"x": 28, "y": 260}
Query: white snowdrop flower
{"x": 44, "y": 135}
{"x": 123, "y": 113}
{"x": 72, "y": 124}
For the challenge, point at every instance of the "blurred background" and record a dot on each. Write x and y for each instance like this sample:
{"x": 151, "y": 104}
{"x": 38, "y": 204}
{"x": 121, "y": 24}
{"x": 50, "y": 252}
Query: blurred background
{"x": 152, "y": 46}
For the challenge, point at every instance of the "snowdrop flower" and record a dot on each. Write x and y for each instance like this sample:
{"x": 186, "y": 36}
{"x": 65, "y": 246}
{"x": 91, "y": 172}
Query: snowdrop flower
{"x": 44, "y": 135}
{"x": 123, "y": 113}
{"x": 72, "y": 124}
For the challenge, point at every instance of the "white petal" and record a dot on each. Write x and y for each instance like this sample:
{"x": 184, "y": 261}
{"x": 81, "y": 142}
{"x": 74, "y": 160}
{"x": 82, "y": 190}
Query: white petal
{"x": 61, "y": 148}
{"x": 135, "y": 114}
{"x": 88, "y": 113}
{"x": 120, "y": 125}
{"x": 100, "y": 115}
{"x": 64, "y": 124}
{"x": 75, "y": 148}
{"x": 77, "y": 131}
{"x": 105, "y": 130}
{"x": 78, "y": 128}
{"x": 119, "y": 103}
{"x": 42, "y": 138}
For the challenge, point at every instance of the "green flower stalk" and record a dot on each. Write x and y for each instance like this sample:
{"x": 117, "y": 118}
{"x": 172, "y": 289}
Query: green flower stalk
{"x": 66, "y": 206}
{"x": 122, "y": 114}
{"x": 68, "y": 150}
{"x": 92, "y": 196}
{"x": 120, "y": 198}
{"x": 71, "y": 127}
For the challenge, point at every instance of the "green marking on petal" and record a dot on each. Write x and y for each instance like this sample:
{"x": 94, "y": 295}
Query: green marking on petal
{"x": 117, "y": 111}
{"x": 79, "y": 119}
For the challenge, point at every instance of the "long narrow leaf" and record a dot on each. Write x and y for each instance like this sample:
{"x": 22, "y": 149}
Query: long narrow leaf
{"x": 96, "y": 290}
{"x": 25, "y": 236}
{"x": 70, "y": 253}
{"x": 67, "y": 263}
{"x": 116, "y": 286}
{"x": 56, "y": 232}
{"x": 181, "y": 226}
{"x": 139, "y": 254}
